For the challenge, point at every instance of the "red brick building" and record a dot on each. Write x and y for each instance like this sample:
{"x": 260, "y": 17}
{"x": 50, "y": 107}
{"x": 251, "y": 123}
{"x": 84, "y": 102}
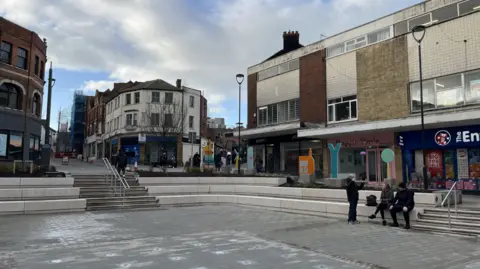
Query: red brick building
{"x": 22, "y": 73}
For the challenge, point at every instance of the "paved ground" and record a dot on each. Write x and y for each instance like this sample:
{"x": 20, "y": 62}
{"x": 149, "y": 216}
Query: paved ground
{"x": 219, "y": 237}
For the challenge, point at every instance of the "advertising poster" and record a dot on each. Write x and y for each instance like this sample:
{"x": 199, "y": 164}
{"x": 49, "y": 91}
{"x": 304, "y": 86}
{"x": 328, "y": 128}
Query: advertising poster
{"x": 435, "y": 163}
{"x": 462, "y": 163}
{"x": 3, "y": 145}
{"x": 449, "y": 167}
{"x": 474, "y": 163}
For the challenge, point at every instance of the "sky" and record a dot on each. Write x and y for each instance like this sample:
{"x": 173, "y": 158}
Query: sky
{"x": 94, "y": 43}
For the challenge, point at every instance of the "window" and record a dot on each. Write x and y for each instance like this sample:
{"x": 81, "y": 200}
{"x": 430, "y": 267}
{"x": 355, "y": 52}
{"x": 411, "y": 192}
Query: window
{"x": 279, "y": 69}
{"x": 36, "y": 104}
{"x": 155, "y": 97}
{"x": 190, "y": 121}
{"x": 401, "y": 28}
{"x": 472, "y": 86}
{"x": 37, "y": 63}
{"x": 168, "y": 121}
{"x": 279, "y": 113}
{"x": 421, "y": 20}
{"x": 468, "y": 6}
{"x": 128, "y": 99}
{"x": 155, "y": 119}
{"x": 135, "y": 120}
{"x": 131, "y": 119}
{"x": 449, "y": 91}
{"x": 10, "y": 96}
{"x": 192, "y": 101}
{"x": 356, "y": 43}
{"x": 445, "y": 13}
{"x": 379, "y": 35}
{"x": 42, "y": 70}
{"x": 293, "y": 65}
{"x": 342, "y": 109}
{"x": 15, "y": 146}
{"x": 283, "y": 68}
{"x": 168, "y": 98}
{"x": 22, "y": 56}
{"x": 336, "y": 50}
{"x": 137, "y": 97}
{"x": 6, "y": 53}
{"x": 428, "y": 95}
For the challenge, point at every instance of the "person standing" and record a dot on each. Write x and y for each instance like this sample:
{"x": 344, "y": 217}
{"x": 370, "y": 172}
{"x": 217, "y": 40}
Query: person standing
{"x": 121, "y": 162}
{"x": 403, "y": 202}
{"x": 353, "y": 196}
{"x": 386, "y": 199}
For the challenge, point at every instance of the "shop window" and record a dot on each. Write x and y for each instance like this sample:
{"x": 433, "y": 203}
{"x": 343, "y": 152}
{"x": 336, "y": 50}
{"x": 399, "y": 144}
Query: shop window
{"x": 6, "y": 52}
{"x": 468, "y": 7}
{"x": 15, "y": 147}
{"x": 474, "y": 163}
{"x": 10, "y": 96}
{"x": 3, "y": 144}
{"x": 428, "y": 95}
{"x": 472, "y": 87}
{"x": 342, "y": 109}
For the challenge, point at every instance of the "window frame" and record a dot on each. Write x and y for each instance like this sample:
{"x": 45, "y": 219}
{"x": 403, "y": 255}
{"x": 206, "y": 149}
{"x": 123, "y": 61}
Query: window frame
{"x": 168, "y": 101}
{"x": 273, "y": 113}
{"x": 135, "y": 95}
{"x": 25, "y": 58}
{"x": 409, "y": 28}
{"x": 8, "y": 53}
{"x": 128, "y": 99}
{"x": 192, "y": 101}
{"x": 36, "y": 66}
{"x": 469, "y": 12}
{"x": 191, "y": 120}
{"x": 332, "y": 103}
{"x": 157, "y": 99}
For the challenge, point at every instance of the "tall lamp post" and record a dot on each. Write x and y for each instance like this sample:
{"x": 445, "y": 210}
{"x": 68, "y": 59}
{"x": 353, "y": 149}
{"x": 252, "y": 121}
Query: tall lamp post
{"x": 418, "y": 33}
{"x": 240, "y": 78}
{"x": 47, "y": 147}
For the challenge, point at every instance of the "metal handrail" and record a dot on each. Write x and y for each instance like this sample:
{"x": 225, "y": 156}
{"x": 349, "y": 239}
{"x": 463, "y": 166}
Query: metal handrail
{"x": 455, "y": 199}
{"x": 116, "y": 176}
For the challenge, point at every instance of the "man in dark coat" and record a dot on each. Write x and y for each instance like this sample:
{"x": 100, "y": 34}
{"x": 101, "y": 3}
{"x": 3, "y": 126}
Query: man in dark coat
{"x": 403, "y": 202}
{"x": 121, "y": 162}
{"x": 352, "y": 195}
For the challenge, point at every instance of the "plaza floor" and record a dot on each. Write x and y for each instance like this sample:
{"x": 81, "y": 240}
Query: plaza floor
{"x": 218, "y": 237}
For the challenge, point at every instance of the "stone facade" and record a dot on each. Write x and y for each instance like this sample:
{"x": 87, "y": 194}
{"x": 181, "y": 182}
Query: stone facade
{"x": 382, "y": 81}
{"x": 313, "y": 88}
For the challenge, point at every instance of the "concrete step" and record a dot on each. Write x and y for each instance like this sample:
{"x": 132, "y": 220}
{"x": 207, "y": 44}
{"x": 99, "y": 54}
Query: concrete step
{"x": 121, "y": 199}
{"x": 460, "y": 212}
{"x": 469, "y": 219}
{"x": 455, "y": 224}
{"x": 446, "y": 230}
{"x": 138, "y": 206}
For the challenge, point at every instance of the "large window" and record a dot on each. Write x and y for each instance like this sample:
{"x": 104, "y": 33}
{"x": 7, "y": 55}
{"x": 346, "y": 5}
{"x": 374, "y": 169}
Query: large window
{"x": 15, "y": 146}
{"x": 468, "y": 6}
{"x": 137, "y": 97}
{"x": 378, "y": 35}
{"x": 359, "y": 42}
{"x": 356, "y": 43}
{"x": 6, "y": 53}
{"x": 424, "y": 19}
{"x": 168, "y": 121}
{"x": 342, "y": 109}
{"x": 22, "y": 58}
{"x": 279, "y": 113}
{"x": 131, "y": 119}
{"x": 168, "y": 98}
{"x": 278, "y": 69}
{"x": 448, "y": 91}
{"x": 155, "y": 97}
{"x": 10, "y": 96}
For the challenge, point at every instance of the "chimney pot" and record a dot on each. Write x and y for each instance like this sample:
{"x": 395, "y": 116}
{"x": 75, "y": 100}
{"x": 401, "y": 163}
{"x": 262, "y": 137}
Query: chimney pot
{"x": 291, "y": 40}
{"x": 179, "y": 83}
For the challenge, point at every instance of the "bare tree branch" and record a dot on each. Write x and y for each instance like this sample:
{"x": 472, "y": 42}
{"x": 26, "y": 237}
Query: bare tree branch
{"x": 164, "y": 118}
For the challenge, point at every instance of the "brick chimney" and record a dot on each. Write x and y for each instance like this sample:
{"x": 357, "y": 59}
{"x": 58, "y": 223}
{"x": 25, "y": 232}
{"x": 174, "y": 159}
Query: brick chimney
{"x": 179, "y": 83}
{"x": 291, "y": 40}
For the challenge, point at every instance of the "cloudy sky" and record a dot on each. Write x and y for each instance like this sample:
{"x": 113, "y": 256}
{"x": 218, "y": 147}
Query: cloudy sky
{"x": 93, "y": 43}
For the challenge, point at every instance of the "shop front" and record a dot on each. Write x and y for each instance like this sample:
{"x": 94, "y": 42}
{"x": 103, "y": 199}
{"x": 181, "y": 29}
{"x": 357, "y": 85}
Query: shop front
{"x": 280, "y": 154}
{"x": 360, "y": 154}
{"x": 451, "y": 154}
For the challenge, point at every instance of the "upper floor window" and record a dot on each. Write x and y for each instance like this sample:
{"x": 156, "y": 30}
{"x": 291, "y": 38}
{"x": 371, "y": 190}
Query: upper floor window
{"x": 10, "y": 96}
{"x": 359, "y": 42}
{"x": 279, "y": 113}
{"x": 168, "y": 121}
{"x": 342, "y": 109}
{"x": 356, "y": 43}
{"x": 155, "y": 119}
{"x": 36, "y": 104}
{"x": 447, "y": 91}
{"x": 169, "y": 98}
{"x": 278, "y": 69}
{"x": 468, "y": 7}
{"x": 128, "y": 99}
{"x": 192, "y": 101}
{"x": 42, "y": 70}
{"x": 37, "y": 65}
{"x": 190, "y": 121}
{"x": 131, "y": 119}
{"x": 155, "y": 97}
{"x": 22, "y": 58}
{"x": 137, "y": 97}
{"x": 379, "y": 35}
{"x": 6, "y": 52}
{"x": 424, "y": 19}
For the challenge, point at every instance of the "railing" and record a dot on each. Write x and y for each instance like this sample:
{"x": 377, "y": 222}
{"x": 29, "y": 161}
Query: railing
{"x": 115, "y": 178}
{"x": 448, "y": 198}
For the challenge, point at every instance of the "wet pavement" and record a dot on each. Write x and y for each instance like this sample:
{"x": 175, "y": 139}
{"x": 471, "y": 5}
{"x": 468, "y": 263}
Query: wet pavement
{"x": 218, "y": 237}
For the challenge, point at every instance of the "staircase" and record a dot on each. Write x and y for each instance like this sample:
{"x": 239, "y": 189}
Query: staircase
{"x": 101, "y": 195}
{"x": 466, "y": 222}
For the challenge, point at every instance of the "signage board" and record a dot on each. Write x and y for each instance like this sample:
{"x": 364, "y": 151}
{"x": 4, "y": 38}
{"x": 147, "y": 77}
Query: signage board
{"x": 446, "y": 138}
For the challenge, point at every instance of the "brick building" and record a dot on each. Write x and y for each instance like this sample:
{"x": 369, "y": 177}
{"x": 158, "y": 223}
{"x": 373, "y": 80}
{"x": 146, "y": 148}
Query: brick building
{"x": 360, "y": 89}
{"x": 22, "y": 70}
{"x": 95, "y": 125}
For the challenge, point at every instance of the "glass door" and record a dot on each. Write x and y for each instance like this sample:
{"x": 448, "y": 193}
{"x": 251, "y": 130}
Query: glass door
{"x": 372, "y": 166}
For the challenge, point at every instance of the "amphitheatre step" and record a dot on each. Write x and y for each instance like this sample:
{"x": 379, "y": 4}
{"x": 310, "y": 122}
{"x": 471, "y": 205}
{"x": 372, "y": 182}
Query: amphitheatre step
{"x": 462, "y": 212}
{"x": 469, "y": 219}
{"x": 124, "y": 207}
{"x": 446, "y": 230}
{"x": 455, "y": 224}
{"x": 126, "y": 198}
{"x": 120, "y": 202}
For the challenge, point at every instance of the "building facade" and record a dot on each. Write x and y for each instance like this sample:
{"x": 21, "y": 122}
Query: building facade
{"x": 216, "y": 123}
{"x": 95, "y": 125}
{"x": 77, "y": 122}
{"x": 153, "y": 119}
{"x": 372, "y": 95}
{"x": 22, "y": 71}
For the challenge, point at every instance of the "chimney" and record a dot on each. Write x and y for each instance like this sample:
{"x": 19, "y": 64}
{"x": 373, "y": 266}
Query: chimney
{"x": 179, "y": 83}
{"x": 291, "y": 40}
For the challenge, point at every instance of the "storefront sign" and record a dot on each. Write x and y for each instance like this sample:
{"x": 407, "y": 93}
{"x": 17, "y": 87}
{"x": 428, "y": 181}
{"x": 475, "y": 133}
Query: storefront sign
{"x": 364, "y": 140}
{"x": 142, "y": 138}
{"x": 448, "y": 138}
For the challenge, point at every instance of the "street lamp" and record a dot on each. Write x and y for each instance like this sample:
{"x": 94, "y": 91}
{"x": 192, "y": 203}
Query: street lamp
{"x": 418, "y": 33}
{"x": 240, "y": 78}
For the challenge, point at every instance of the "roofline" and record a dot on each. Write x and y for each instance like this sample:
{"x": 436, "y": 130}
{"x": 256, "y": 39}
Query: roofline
{"x": 117, "y": 93}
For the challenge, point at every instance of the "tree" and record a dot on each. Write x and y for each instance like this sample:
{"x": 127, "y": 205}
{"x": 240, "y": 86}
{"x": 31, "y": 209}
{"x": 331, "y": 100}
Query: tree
{"x": 164, "y": 118}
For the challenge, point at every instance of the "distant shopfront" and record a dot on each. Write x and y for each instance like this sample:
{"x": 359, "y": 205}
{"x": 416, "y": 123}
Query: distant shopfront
{"x": 451, "y": 153}
{"x": 360, "y": 154}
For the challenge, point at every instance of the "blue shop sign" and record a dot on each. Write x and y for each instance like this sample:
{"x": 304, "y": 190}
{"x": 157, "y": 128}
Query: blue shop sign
{"x": 446, "y": 138}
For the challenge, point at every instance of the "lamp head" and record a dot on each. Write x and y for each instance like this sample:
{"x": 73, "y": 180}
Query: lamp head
{"x": 418, "y": 32}
{"x": 240, "y": 78}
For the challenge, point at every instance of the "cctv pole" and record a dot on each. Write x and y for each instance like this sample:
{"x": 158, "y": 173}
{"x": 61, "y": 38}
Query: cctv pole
{"x": 47, "y": 146}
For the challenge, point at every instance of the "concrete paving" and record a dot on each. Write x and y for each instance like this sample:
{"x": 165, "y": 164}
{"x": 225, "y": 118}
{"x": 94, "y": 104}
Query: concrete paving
{"x": 218, "y": 237}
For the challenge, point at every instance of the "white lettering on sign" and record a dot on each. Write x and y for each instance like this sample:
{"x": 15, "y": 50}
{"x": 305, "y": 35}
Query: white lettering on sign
{"x": 468, "y": 137}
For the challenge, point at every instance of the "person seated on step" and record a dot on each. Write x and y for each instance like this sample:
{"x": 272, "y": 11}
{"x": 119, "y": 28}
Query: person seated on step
{"x": 386, "y": 199}
{"x": 403, "y": 202}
